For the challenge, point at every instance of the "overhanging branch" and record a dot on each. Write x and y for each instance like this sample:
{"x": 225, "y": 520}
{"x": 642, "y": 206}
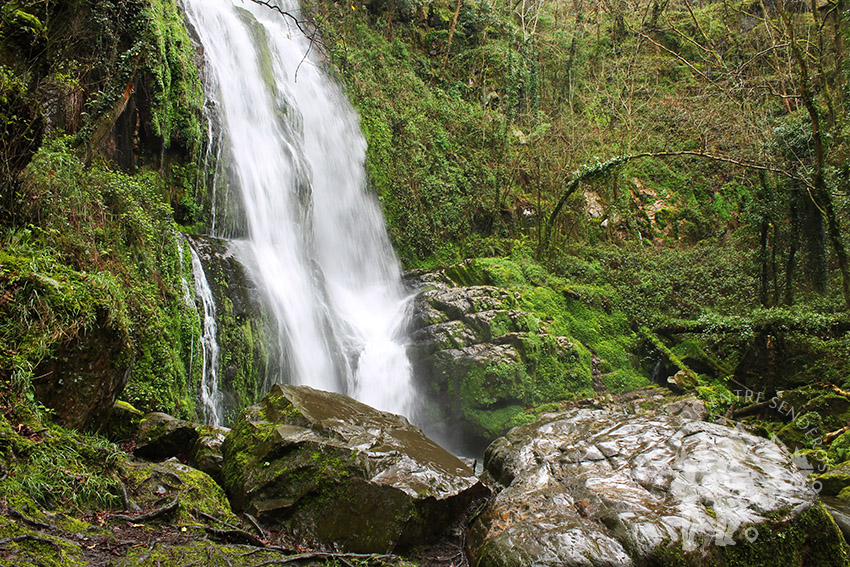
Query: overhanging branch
{"x": 589, "y": 172}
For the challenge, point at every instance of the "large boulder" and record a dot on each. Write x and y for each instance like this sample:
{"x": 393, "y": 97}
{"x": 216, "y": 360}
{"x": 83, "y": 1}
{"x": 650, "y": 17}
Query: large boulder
{"x": 484, "y": 359}
{"x": 339, "y": 474}
{"x": 597, "y": 487}
{"x": 161, "y": 436}
{"x": 85, "y": 375}
{"x": 205, "y": 454}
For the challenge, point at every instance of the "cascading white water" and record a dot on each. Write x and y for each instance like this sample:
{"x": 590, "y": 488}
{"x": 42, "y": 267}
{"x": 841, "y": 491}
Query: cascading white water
{"x": 210, "y": 396}
{"x": 317, "y": 243}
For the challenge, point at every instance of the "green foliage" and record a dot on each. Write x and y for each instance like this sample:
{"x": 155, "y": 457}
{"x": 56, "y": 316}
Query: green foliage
{"x": 177, "y": 109}
{"x": 58, "y": 469}
{"x": 100, "y": 242}
{"x": 431, "y": 153}
{"x": 839, "y": 449}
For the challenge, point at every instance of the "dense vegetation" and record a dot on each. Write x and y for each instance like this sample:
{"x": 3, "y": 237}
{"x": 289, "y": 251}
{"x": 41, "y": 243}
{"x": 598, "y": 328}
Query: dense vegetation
{"x": 691, "y": 159}
{"x": 679, "y": 168}
{"x": 663, "y": 184}
{"x": 102, "y": 113}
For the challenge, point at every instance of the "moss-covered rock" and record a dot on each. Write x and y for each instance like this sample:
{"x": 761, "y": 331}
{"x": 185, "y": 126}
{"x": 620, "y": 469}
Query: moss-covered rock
{"x": 161, "y": 436}
{"x": 803, "y": 431}
{"x": 123, "y": 421}
{"x": 249, "y": 348}
{"x": 150, "y": 485}
{"x": 839, "y": 449}
{"x": 337, "y": 473}
{"x": 835, "y": 480}
{"x": 205, "y": 454}
{"x": 495, "y": 336}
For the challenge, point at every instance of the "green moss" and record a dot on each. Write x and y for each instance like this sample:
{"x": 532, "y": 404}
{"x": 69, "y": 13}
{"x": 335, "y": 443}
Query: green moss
{"x": 835, "y": 479}
{"x": 839, "y": 449}
{"x": 553, "y": 335}
{"x": 46, "y": 550}
{"x": 58, "y": 470}
{"x": 492, "y": 423}
{"x": 669, "y": 354}
{"x": 811, "y": 539}
{"x": 803, "y": 432}
{"x": 104, "y": 255}
{"x": 178, "y": 97}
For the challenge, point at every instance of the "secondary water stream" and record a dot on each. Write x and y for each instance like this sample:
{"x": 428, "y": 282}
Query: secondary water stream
{"x": 317, "y": 244}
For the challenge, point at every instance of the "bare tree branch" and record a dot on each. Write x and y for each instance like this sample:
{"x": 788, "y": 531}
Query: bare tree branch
{"x": 306, "y": 26}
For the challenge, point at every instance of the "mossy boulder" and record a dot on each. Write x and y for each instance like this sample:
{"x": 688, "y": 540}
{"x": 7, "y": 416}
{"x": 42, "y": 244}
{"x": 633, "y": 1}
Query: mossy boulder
{"x": 803, "y": 432}
{"x": 205, "y": 454}
{"x": 835, "y": 480}
{"x": 597, "y": 487}
{"x": 81, "y": 382}
{"x": 123, "y": 422}
{"x": 150, "y": 485}
{"x": 161, "y": 436}
{"x": 839, "y": 449}
{"x": 339, "y": 474}
{"x": 832, "y": 407}
{"x": 483, "y": 358}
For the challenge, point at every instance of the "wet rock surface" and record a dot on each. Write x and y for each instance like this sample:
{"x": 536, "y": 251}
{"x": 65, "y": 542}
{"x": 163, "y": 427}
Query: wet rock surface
{"x": 597, "y": 487}
{"x": 339, "y": 474}
{"x": 205, "y": 454}
{"x": 245, "y": 329}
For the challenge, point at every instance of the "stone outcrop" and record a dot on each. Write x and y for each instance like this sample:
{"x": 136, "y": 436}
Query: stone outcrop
{"x": 123, "y": 421}
{"x": 597, "y": 487}
{"x": 485, "y": 359}
{"x": 339, "y": 474}
{"x": 205, "y": 454}
{"x": 161, "y": 436}
{"x": 85, "y": 376}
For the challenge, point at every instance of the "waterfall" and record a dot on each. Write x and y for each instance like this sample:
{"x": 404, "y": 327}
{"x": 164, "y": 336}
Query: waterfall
{"x": 210, "y": 397}
{"x": 316, "y": 242}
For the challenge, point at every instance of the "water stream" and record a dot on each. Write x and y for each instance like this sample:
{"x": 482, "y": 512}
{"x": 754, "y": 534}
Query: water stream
{"x": 210, "y": 396}
{"x": 316, "y": 240}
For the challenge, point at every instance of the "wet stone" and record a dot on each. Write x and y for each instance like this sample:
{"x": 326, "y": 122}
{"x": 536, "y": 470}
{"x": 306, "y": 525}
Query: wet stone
{"x": 336, "y": 473}
{"x": 596, "y": 487}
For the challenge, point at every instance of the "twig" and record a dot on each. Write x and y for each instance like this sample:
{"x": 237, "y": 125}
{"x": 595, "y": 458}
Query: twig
{"x": 253, "y": 521}
{"x": 170, "y": 507}
{"x": 325, "y": 555}
{"x": 236, "y": 535}
{"x": 129, "y": 505}
{"x": 15, "y": 514}
{"x": 830, "y": 437}
{"x": 196, "y": 512}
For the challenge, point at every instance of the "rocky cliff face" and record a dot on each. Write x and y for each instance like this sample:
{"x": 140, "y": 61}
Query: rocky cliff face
{"x": 483, "y": 359}
{"x": 246, "y": 336}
